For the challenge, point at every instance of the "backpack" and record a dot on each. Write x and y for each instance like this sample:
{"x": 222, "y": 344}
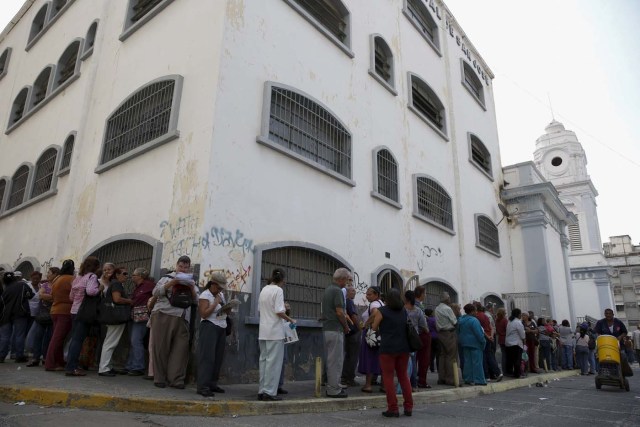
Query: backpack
{"x": 592, "y": 341}
{"x": 180, "y": 295}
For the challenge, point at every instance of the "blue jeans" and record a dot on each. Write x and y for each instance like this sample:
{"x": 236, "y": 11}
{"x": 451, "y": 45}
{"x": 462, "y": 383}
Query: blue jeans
{"x": 567, "y": 356}
{"x": 79, "y": 332}
{"x": 18, "y": 329}
{"x": 137, "y": 332}
{"x": 545, "y": 355}
{"x": 413, "y": 362}
{"x": 41, "y": 335}
{"x": 582, "y": 357}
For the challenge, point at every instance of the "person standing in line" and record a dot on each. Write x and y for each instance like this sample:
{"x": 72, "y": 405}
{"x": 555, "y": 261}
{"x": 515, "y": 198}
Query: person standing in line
{"x": 531, "y": 331}
{"x": 285, "y": 358}
{"x": 334, "y": 328}
{"x": 138, "y": 326}
{"x": 41, "y": 332}
{"x": 434, "y": 361}
{"x": 489, "y": 363}
{"x": 271, "y": 335}
{"x": 424, "y": 354}
{"x": 14, "y": 316}
{"x": 446, "y": 322}
{"x": 567, "y": 344}
{"x": 369, "y": 358}
{"x": 582, "y": 349}
{"x": 61, "y": 316}
{"x": 514, "y": 342}
{"x": 351, "y": 342}
{"x": 635, "y": 336}
{"x": 501, "y": 333}
{"x": 472, "y": 338}
{"x": 419, "y": 322}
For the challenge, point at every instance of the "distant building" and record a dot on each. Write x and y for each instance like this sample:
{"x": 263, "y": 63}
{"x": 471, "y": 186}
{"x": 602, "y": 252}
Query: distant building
{"x": 623, "y": 258}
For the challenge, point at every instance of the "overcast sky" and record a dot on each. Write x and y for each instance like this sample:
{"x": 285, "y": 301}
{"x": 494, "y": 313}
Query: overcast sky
{"x": 580, "y": 54}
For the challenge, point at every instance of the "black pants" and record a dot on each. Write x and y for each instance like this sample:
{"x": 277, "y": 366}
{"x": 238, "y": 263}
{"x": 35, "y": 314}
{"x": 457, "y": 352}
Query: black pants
{"x": 211, "y": 341}
{"x": 514, "y": 360}
{"x": 351, "y": 353}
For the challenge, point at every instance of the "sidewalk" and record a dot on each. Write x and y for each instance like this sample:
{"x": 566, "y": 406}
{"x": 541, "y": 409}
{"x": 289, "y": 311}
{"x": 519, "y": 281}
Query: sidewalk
{"x": 134, "y": 394}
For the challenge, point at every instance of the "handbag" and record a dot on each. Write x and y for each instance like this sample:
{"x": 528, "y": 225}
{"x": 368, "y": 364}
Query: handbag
{"x": 43, "y": 317}
{"x": 372, "y": 338}
{"x": 140, "y": 313}
{"x": 413, "y": 338}
{"x": 88, "y": 311}
{"x": 111, "y": 313}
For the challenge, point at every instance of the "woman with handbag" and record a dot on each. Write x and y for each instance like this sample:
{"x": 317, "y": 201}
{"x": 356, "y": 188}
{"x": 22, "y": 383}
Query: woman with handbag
{"x": 84, "y": 296}
{"x": 43, "y": 325}
{"x": 369, "y": 360}
{"x": 115, "y": 313}
{"x": 140, "y": 316}
{"x": 14, "y": 317}
{"x": 61, "y": 316}
{"x": 391, "y": 321}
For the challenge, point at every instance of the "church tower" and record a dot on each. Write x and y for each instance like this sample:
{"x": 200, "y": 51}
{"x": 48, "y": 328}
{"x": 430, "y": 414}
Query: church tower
{"x": 560, "y": 158}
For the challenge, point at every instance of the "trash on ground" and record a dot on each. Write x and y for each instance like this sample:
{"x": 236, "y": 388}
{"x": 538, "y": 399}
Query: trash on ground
{"x": 491, "y": 409}
{"x": 543, "y": 398}
{"x": 19, "y": 404}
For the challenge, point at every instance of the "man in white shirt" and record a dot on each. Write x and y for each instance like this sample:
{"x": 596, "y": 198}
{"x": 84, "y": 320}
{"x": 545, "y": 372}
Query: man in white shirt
{"x": 446, "y": 322}
{"x": 635, "y": 336}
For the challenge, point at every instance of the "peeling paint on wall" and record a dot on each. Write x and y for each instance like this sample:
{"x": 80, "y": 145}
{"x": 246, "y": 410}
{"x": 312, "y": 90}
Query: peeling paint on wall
{"x": 235, "y": 13}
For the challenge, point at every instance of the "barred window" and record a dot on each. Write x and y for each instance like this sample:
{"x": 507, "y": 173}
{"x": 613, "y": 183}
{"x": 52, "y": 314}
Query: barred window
{"x": 44, "y": 172}
{"x": 144, "y": 120}
{"x": 425, "y": 103}
{"x": 389, "y": 279}
{"x": 487, "y": 234}
{"x": 18, "y": 186}
{"x": 386, "y": 175}
{"x": 68, "y": 152}
{"x": 479, "y": 155}
{"x": 381, "y": 67}
{"x": 433, "y": 202}
{"x": 139, "y": 12}
{"x": 40, "y": 87}
{"x": 3, "y": 187}
{"x": 128, "y": 253}
{"x": 67, "y": 64}
{"x": 433, "y": 292}
{"x": 38, "y": 22}
{"x": 19, "y": 106}
{"x": 57, "y": 7}
{"x": 90, "y": 40}
{"x": 331, "y": 17}
{"x": 421, "y": 19}
{"x": 4, "y": 62}
{"x": 472, "y": 83}
{"x": 305, "y": 130}
{"x": 26, "y": 268}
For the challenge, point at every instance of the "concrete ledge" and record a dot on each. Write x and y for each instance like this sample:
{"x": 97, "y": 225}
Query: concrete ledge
{"x": 105, "y": 402}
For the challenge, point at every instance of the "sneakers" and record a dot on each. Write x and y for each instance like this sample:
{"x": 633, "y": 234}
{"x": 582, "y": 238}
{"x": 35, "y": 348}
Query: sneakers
{"x": 107, "y": 374}
{"x": 499, "y": 378}
{"x": 268, "y": 397}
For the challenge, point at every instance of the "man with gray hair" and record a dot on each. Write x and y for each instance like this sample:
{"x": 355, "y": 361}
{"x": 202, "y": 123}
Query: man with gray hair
{"x": 334, "y": 328}
{"x": 446, "y": 325}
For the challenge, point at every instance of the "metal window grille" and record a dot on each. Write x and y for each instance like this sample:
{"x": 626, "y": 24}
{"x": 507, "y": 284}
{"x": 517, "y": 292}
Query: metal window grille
{"x": 40, "y": 86}
{"x": 19, "y": 105}
{"x": 494, "y": 301}
{"x": 387, "y": 175}
{"x": 57, "y": 5}
{"x": 389, "y": 279}
{"x": 308, "y": 272}
{"x": 383, "y": 60}
{"x": 575, "y": 241}
{"x": 422, "y": 18}
{"x": 425, "y": 102}
{"x": 328, "y": 14}
{"x": 304, "y": 127}
{"x": 44, "y": 172}
{"x": 144, "y": 117}
{"x": 3, "y": 187}
{"x": 3, "y": 60}
{"x": 129, "y": 254}
{"x": 480, "y": 155}
{"x": 434, "y": 202}
{"x": 26, "y": 268}
{"x": 488, "y": 234}
{"x": 412, "y": 283}
{"x": 68, "y": 151}
{"x": 18, "y": 187}
{"x": 38, "y": 22}
{"x": 67, "y": 63}
{"x": 91, "y": 35}
{"x": 142, "y": 7}
{"x": 433, "y": 292}
{"x": 472, "y": 81}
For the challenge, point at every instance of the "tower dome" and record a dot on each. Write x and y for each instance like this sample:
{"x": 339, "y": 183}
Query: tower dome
{"x": 554, "y": 126}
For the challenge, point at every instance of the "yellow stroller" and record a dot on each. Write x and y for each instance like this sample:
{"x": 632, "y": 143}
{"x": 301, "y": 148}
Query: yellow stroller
{"x": 610, "y": 370}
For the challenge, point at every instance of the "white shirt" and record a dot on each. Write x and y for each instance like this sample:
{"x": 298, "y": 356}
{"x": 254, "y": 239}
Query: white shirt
{"x": 34, "y": 303}
{"x": 217, "y": 318}
{"x": 445, "y": 318}
{"x": 515, "y": 333}
{"x": 271, "y": 303}
{"x": 636, "y": 339}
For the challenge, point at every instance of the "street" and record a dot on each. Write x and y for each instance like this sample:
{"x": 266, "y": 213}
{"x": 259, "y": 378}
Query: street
{"x": 572, "y": 401}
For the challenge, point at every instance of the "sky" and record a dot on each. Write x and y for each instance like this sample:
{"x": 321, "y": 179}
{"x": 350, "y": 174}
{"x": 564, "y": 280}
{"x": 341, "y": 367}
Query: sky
{"x": 573, "y": 57}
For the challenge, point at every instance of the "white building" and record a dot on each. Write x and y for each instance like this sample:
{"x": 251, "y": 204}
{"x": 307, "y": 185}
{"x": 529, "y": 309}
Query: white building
{"x": 623, "y": 258}
{"x": 250, "y": 135}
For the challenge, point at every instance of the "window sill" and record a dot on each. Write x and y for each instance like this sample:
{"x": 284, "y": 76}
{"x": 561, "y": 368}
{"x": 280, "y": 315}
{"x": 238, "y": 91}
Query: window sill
{"x": 427, "y": 121}
{"x": 496, "y": 254}
{"x": 435, "y": 224}
{"x": 87, "y": 53}
{"x": 44, "y": 102}
{"x": 48, "y": 25}
{"x": 169, "y": 136}
{"x": 132, "y": 28}
{"x": 301, "y": 323}
{"x": 474, "y": 96}
{"x": 430, "y": 42}
{"x": 484, "y": 172}
{"x": 265, "y": 141}
{"x": 29, "y": 202}
{"x": 385, "y": 199}
{"x": 383, "y": 82}
{"x": 64, "y": 171}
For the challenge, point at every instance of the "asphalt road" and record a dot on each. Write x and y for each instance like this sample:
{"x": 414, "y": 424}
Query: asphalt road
{"x": 568, "y": 402}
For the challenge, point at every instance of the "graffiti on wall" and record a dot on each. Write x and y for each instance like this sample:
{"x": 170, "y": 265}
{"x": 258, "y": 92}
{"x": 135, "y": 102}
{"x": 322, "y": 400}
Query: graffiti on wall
{"x": 427, "y": 254}
{"x": 361, "y": 289}
{"x": 47, "y": 264}
{"x": 237, "y": 276}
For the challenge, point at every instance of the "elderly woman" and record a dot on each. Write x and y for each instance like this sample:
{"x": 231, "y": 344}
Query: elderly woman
{"x": 369, "y": 360}
{"x": 419, "y": 321}
{"x": 14, "y": 316}
{"x": 391, "y": 321}
{"x": 117, "y": 295}
{"x": 61, "y": 316}
{"x": 514, "y": 342}
{"x": 472, "y": 340}
{"x": 212, "y": 335}
{"x": 138, "y": 326}
{"x": 42, "y": 331}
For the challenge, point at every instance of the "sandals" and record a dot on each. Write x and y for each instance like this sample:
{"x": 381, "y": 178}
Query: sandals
{"x": 33, "y": 363}
{"x": 366, "y": 390}
{"x": 75, "y": 373}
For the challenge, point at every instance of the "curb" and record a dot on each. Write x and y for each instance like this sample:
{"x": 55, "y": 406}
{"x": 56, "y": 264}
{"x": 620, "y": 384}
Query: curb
{"x": 221, "y": 408}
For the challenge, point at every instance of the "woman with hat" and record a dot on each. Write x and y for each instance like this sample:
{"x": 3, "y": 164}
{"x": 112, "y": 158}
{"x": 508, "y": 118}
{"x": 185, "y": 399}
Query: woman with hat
{"x": 212, "y": 335}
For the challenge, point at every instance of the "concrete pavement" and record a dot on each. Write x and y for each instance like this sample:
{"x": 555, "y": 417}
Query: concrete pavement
{"x": 134, "y": 394}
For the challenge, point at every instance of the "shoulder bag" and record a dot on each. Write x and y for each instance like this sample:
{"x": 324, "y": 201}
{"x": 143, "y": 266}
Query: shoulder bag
{"x": 413, "y": 338}
{"x": 371, "y": 337}
{"x": 88, "y": 311}
{"x": 44, "y": 314}
{"x": 111, "y": 313}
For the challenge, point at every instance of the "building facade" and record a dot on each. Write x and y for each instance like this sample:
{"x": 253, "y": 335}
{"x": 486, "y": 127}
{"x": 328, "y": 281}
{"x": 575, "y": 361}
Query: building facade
{"x": 623, "y": 258}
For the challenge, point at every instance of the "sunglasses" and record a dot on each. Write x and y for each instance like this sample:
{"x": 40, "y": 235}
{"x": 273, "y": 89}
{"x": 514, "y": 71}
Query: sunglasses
{"x": 124, "y": 273}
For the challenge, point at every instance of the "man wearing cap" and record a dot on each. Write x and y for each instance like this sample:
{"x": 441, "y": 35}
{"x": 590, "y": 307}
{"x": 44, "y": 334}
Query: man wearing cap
{"x": 212, "y": 335}
{"x": 611, "y": 325}
{"x": 170, "y": 325}
{"x": 446, "y": 324}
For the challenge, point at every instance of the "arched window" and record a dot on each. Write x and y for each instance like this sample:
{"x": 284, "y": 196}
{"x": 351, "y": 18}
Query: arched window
{"x": 139, "y": 12}
{"x": 487, "y": 234}
{"x": 129, "y": 253}
{"x": 57, "y": 7}
{"x": 67, "y": 152}
{"x": 433, "y": 203}
{"x": 18, "y": 186}
{"x": 434, "y": 290}
{"x": 386, "y": 175}
{"x": 3, "y": 188}
{"x": 4, "y": 62}
{"x": 41, "y": 87}
{"x": 381, "y": 67}
{"x": 389, "y": 279}
{"x": 146, "y": 119}
{"x": 302, "y": 128}
{"x": 45, "y": 167}
{"x": 67, "y": 64}
{"x": 19, "y": 106}
{"x": 419, "y": 16}
{"x": 425, "y": 103}
{"x": 479, "y": 156}
{"x": 472, "y": 83}
{"x": 330, "y": 17}
{"x": 90, "y": 40}
{"x": 38, "y": 22}
{"x": 308, "y": 272}
{"x": 493, "y": 301}
{"x": 26, "y": 268}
